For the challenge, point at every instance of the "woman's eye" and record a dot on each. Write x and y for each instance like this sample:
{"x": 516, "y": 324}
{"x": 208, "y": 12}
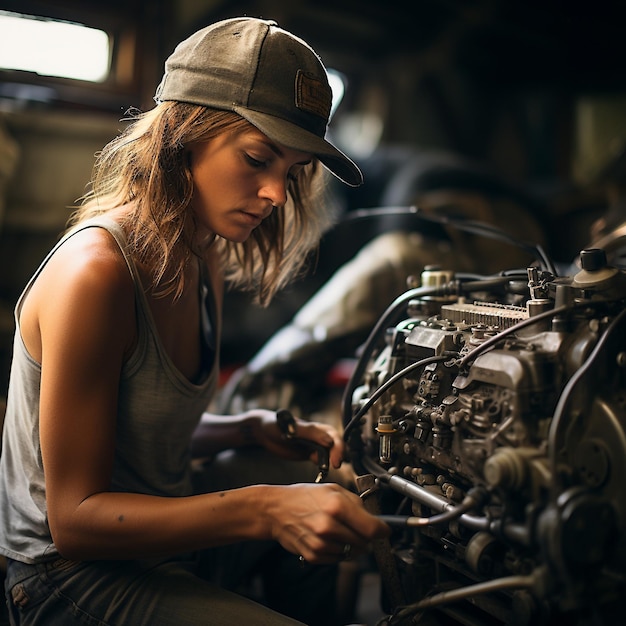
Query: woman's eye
{"x": 255, "y": 162}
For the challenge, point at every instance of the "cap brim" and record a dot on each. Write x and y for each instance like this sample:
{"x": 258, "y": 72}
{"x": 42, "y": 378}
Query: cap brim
{"x": 296, "y": 138}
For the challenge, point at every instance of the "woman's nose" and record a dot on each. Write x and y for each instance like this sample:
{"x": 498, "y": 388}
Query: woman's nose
{"x": 275, "y": 190}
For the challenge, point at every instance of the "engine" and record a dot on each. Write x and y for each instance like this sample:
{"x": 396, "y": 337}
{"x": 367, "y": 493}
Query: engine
{"x": 486, "y": 422}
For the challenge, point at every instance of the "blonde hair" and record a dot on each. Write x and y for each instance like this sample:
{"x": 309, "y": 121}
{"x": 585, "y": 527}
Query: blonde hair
{"x": 146, "y": 168}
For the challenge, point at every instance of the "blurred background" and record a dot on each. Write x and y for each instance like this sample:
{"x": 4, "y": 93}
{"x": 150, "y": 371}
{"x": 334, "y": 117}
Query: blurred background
{"x": 509, "y": 112}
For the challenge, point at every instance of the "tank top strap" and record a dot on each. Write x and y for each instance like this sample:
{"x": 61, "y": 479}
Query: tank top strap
{"x": 107, "y": 224}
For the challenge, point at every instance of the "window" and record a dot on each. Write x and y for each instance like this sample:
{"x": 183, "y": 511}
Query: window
{"x": 63, "y": 49}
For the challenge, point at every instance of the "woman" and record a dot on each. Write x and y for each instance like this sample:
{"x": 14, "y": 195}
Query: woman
{"x": 117, "y": 342}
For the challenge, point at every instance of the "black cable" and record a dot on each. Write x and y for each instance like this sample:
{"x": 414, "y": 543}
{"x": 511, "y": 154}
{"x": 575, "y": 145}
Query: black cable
{"x": 461, "y": 223}
{"x": 559, "y": 412}
{"x": 389, "y": 383}
{"x": 471, "y": 501}
{"x": 489, "y": 343}
{"x": 386, "y": 320}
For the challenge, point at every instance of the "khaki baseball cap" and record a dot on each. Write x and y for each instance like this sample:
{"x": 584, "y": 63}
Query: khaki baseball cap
{"x": 270, "y": 77}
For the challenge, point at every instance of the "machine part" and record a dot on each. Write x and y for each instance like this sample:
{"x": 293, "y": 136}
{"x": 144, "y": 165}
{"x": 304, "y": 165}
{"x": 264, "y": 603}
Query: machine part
{"x": 495, "y": 428}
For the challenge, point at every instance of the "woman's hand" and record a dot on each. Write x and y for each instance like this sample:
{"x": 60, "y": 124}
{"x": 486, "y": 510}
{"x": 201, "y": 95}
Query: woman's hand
{"x": 322, "y": 523}
{"x": 301, "y": 441}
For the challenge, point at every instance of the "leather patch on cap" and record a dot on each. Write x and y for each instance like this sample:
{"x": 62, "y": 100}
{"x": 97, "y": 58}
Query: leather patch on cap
{"x": 312, "y": 95}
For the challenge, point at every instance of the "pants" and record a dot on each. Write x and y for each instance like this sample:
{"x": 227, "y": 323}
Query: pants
{"x": 132, "y": 593}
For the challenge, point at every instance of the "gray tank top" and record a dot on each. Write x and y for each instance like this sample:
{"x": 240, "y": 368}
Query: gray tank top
{"x": 158, "y": 410}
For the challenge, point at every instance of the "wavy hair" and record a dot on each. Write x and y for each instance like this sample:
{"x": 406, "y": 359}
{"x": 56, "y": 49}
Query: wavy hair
{"x": 146, "y": 168}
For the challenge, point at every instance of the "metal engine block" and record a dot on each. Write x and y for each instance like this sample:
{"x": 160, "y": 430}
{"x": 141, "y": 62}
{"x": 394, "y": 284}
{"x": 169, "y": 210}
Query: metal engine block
{"x": 486, "y": 422}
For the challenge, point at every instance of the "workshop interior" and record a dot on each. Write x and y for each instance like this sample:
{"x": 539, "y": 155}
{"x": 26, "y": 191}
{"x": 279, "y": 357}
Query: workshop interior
{"x": 463, "y": 322}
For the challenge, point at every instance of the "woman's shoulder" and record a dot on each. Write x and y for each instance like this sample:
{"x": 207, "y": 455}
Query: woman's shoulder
{"x": 86, "y": 285}
{"x": 93, "y": 252}
{"x": 89, "y": 264}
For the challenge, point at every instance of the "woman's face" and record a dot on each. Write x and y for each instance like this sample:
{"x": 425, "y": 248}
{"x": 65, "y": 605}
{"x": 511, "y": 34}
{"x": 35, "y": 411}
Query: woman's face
{"x": 238, "y": 179}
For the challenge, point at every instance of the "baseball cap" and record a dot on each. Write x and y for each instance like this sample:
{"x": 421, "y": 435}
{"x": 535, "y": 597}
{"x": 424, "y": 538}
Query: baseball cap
{"x": 270, "y": 77}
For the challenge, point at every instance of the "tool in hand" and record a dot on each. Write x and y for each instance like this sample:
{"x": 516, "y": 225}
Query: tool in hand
{"x": 288, "y": 427}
